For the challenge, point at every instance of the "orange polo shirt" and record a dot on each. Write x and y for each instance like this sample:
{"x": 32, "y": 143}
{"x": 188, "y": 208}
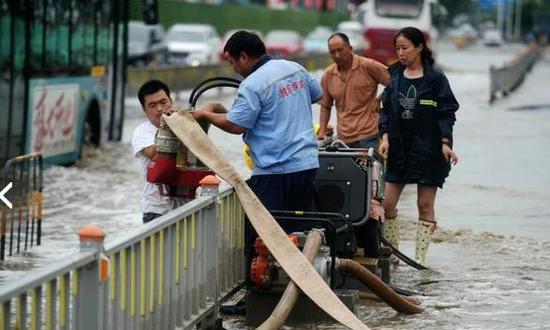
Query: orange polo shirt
{"x": 355, "y": 97}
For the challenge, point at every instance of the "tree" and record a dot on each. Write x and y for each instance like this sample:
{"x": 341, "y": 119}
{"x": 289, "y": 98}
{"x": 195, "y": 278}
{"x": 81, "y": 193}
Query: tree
{"x": 457, "y": 7}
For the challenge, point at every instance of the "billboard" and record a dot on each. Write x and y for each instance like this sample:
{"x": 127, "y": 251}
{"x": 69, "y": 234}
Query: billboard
{"x": 54, "y": 110}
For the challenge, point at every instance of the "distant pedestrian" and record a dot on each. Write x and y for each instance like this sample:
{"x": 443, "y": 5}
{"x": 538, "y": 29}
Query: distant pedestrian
{"x": 351, "y": 84}
{"x": 154, "y": 97}
{"x": 416, "y": 126}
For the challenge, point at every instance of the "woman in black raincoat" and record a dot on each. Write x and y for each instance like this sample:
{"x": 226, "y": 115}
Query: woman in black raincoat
{"x": 416, "y": 129}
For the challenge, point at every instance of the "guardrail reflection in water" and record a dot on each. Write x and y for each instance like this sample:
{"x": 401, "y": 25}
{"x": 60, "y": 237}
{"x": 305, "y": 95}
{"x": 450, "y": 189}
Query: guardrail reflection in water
{"x": 172, "y": 272}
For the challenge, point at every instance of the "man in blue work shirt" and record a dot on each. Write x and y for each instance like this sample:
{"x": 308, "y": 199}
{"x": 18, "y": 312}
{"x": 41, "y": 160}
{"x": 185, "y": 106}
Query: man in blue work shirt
{"x": 273, "y": 112}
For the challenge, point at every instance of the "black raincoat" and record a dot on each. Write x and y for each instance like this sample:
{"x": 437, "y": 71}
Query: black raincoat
{"x": 433, "y": 120}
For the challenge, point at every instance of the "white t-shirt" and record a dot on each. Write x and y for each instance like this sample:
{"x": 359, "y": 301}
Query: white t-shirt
{"x": 152, "y": 201}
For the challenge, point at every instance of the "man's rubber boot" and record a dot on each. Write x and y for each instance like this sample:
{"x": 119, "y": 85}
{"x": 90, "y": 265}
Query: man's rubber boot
{"x": 424, "y": 230}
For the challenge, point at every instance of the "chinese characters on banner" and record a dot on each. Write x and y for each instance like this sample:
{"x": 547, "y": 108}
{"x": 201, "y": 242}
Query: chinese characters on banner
{"x": 54, "y": 119}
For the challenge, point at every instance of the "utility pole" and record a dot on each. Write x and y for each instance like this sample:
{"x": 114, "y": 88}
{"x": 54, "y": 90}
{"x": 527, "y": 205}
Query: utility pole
{"x": 517, "y": 29}
{"x": 509, "y": 8}
{"x": 500, "y": 16}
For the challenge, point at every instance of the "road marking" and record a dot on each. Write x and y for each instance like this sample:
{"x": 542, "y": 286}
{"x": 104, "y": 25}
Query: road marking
{"x": 3, "y": 192}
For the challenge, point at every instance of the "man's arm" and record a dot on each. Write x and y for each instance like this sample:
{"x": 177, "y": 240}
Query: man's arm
{"x": 379, "y": 72}
{"x": 215, "y": 113}
{"x": 324, "y": 118}
{"x": 150, "y": 152}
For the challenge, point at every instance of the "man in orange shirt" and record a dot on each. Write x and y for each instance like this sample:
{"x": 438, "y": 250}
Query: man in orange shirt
{"x": 351, "y": 83}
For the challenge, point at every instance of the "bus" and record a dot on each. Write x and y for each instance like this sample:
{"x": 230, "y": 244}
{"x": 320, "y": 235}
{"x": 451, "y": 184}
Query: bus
{"x": 381, "y": 19}
{"x": 62, "y": 76}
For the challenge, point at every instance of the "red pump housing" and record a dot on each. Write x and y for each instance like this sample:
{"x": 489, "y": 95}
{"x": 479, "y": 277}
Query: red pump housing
{"x": 176, "y": 181}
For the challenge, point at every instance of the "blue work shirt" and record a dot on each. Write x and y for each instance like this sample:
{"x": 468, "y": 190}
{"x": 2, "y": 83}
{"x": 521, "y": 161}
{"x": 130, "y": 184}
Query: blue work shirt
{"x": 274, "y": 105}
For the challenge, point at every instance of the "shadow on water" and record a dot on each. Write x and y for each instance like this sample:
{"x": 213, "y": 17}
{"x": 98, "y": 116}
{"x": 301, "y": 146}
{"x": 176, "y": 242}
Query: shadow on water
{"x": 531, "y": 107}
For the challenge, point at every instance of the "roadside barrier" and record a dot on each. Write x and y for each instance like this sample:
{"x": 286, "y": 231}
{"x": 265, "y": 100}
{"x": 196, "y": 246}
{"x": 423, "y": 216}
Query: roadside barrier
{"x": 507, "y": 78}
{"x": 172, "y": 272}
{"x": 21, "y": 222}
{"x": 187, "y": 77}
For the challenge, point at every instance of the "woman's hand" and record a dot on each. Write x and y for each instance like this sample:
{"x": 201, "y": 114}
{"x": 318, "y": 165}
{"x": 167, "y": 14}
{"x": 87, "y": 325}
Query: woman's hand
{"x": 384, "y": 146}
{"x": 449, "y": 154}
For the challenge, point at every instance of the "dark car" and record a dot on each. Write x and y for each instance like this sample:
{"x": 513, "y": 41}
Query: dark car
{"x": 146, "y": 44}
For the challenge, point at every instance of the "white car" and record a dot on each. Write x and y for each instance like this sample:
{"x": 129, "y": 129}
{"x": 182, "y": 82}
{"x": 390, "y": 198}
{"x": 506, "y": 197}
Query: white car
{"x": 354, "y": 31}
{"x": 492, "y": 37}
{"x": 193, "y": 44}
{"x": 316, "y": 42}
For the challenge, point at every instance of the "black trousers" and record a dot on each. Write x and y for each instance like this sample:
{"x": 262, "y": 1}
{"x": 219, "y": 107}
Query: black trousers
{"x": 368, "y": 237}
{"x": 148, "y": 216}
{"x": 280, "y": 192}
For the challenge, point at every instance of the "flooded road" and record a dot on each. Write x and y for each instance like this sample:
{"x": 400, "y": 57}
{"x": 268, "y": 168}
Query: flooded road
{"x": 491, "y": 256}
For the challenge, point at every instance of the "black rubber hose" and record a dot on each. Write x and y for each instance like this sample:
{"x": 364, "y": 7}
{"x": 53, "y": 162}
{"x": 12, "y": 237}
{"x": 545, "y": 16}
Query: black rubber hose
{"x": 194, "y": 91}
{"x": 193, "y": 102}
{"x": 378, "y": 287}
{"x": 402, "y": 256}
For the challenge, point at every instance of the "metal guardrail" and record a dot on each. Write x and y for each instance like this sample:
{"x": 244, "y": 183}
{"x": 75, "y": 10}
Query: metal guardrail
{"x": 21, "y": 225}
{"x": 507, "y": 78}
{"x": 172, "y": 272}
{"x": 187, "y": 77}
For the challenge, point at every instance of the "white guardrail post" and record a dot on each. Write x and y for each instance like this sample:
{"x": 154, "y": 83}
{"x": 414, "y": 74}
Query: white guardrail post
{"x": 92, "y": 277}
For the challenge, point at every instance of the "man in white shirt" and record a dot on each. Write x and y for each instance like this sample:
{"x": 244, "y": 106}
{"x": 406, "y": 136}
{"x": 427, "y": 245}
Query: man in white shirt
{"x": 154, "y": 97}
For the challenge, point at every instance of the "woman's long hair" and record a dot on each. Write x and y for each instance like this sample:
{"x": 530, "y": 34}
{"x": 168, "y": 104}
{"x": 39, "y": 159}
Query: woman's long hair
{"x": 416, "y": 37}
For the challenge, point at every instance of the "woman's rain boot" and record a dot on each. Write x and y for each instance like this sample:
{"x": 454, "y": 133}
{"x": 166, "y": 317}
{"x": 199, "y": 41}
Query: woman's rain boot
{"x": 424, "y": 230}
{"x": 390, "y": 232}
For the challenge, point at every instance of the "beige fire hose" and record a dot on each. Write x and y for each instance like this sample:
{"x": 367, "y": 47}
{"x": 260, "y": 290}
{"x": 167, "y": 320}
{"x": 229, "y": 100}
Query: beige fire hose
{"x": 376, "y": 285}
{"x": 289, "y": 297}
{"x": 298, "y": 268}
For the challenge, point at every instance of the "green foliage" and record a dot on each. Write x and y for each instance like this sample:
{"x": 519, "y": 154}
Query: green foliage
{"x": 456, "y": 7}
{"x": 226, "y": 17}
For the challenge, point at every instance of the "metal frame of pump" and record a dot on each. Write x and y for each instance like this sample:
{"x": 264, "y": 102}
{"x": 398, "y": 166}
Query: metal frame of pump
{"x": 177, "y": 171}
{"x": 334, "y": 259}
{"x": 338, "y": 230}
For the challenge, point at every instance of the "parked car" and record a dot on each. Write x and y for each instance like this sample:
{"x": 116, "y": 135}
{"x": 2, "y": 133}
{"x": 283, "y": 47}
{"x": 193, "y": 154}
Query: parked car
{"x": 354, "y": 31}
{"x": 229, "y": 33}
{"x": 193, "y": 44}
{"x": 316, "y": 42}
{"x": 492, "y": 37}
{"x": 284, "y": 43}
{"x": 464, "y": 35}
{"x": 145, "y": 44}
